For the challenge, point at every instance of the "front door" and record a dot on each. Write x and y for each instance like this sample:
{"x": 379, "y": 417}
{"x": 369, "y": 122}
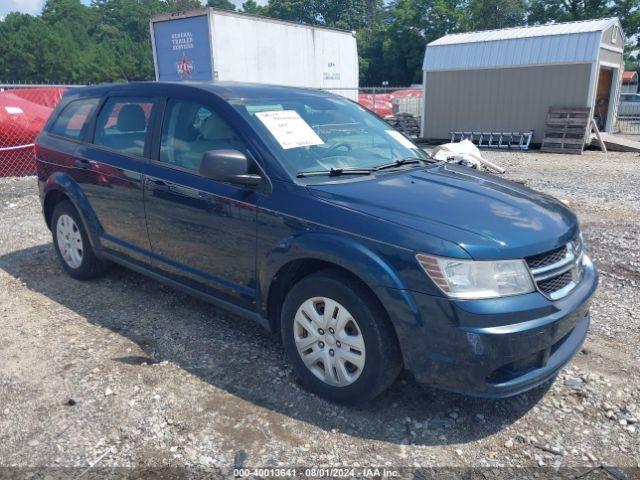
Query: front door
{"x": 202, "y": 232}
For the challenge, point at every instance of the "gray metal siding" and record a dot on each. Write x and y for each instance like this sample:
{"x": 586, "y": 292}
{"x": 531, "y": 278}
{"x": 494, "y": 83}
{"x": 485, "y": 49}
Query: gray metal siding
{"x": 607, "y": 36}
{"x": 574, "y": 48}
{"x": 507, "y": 99}
{"x": 610, "y": 57}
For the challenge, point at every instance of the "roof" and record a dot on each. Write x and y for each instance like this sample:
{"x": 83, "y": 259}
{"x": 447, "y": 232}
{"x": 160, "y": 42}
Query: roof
{"x": 547, "y": 30}
{"x": 557, "y": 43}
{"x": 233, "y": 13}
{"x": 630, "y": 77}
{"x": 224, "y": 90}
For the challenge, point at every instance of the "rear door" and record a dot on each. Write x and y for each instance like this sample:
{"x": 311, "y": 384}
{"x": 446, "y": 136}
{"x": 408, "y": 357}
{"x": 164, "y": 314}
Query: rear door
{"x": 202, "y": 232}
{"x": 114, "y": 161}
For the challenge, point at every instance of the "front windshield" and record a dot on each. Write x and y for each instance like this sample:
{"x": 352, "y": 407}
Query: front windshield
{"x": 324, "y": 135}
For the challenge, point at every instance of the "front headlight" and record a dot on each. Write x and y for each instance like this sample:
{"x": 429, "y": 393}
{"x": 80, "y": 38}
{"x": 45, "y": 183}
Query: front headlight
{"x": 469, "y": 279}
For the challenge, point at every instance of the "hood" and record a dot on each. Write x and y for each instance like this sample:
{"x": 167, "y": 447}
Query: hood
{"x": 491, "y": 218}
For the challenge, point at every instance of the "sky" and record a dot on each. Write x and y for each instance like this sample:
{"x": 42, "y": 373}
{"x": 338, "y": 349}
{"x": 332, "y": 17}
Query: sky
{"x": 35, "y": 6}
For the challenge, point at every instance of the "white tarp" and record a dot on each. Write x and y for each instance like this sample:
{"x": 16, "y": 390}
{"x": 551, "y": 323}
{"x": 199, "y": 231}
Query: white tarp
{"x": 464, "y": 153}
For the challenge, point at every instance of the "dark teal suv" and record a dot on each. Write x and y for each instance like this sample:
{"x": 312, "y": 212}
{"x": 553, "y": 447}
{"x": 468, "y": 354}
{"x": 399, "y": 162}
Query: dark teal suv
{"x": 308, "y": 214}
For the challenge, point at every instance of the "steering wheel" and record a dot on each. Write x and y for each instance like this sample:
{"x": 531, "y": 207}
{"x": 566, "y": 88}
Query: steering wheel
{"x": 337, "y": 146}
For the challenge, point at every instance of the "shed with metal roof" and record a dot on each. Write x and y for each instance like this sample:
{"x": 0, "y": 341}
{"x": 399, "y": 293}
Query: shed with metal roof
{"x": 630, "y": 82}
{"x": 507, "y": 80}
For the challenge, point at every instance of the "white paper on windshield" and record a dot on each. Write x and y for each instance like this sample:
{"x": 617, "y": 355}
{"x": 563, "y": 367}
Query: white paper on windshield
{"x": 14, "y": 110}
{"x": 404, "y": 141}
{"x": 289, "y": 129}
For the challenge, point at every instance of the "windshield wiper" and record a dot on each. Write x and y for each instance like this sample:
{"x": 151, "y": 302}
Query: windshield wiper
{"x": 336, "y": 172}
{"x": 400, "y": 162}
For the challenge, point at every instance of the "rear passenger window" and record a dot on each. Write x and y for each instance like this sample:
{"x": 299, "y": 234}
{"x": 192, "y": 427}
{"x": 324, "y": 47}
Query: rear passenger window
{"x": 189, "y": 130}
{"x": 122, "y": 124}
{"x": 73, "y": 121}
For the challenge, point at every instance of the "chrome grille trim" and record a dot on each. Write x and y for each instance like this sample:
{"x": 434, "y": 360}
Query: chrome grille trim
{"x": 571, "y": 262}
{"x": 567, "y": 261}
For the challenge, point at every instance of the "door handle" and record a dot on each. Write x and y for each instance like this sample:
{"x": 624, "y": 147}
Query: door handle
{"x": 159, "y": 185}
{"x": 82, "y": 163}
{"x": 208, "y": 198}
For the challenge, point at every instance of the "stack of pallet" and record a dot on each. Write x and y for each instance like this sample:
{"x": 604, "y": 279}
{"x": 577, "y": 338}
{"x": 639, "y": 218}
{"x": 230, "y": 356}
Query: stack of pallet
{"x": 567, "y": 129}
{"x": 406, "y": 123}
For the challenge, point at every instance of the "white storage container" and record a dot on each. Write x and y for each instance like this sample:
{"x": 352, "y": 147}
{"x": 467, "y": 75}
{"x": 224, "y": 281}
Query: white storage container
{"x": 211, "y": 44}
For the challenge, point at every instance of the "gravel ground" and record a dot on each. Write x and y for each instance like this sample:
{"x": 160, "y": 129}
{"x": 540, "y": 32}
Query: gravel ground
{"x": 125, "y": 372}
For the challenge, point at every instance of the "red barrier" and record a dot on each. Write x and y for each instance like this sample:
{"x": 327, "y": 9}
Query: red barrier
{"x": 23, "y": 113}
{"x": 382, "y": 103}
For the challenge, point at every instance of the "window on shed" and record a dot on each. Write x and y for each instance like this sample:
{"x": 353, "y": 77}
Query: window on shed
{"x": 614, "y": 34}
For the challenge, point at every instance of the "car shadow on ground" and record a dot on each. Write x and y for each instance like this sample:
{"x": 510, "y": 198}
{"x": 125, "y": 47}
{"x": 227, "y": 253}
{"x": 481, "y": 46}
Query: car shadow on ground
{"x": 238, "y": 356}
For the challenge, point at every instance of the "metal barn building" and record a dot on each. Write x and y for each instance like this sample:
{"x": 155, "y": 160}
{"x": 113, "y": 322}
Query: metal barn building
{"x": 630, "y": 82}
{"x": 506, "y": 80}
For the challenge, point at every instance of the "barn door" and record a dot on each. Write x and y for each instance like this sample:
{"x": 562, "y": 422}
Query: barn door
{"x": 603, "y": 94}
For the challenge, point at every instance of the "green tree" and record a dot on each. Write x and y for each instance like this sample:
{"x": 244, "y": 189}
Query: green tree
{"x": 251, "y": 7}
{"x": 545, "y": 11}
{"x": 410, "y": 25}
{"x": 222, "y": 4}
{"x": 493, "y": 14}
{"x": 346, "y": 14}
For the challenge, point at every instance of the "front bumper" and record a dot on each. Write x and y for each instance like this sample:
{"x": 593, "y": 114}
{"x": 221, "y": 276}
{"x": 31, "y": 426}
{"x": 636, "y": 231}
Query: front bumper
{"x": 492, "y": 348}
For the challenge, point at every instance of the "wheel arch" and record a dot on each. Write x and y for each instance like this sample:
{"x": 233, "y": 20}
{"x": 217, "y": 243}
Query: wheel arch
{"x": 297, "y": 257}
{"x": 60, "y": 187}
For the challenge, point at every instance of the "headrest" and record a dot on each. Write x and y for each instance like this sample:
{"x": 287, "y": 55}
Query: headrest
{"x": 131, "y": 119}
{"x": 213, "y": 128}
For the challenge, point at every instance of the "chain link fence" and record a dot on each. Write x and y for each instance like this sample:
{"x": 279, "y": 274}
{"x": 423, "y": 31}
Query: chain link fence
{"x": 628, "y": 124}
{"x": 24, "y": 109}
{"x": 400, "y": 106}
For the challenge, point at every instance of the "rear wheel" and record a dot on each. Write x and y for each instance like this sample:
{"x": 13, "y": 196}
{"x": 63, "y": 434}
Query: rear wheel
{"x": 72, "y": 245}
{"x": 338, "y": 338}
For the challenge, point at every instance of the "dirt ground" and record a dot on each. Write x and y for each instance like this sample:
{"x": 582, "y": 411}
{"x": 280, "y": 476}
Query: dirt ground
{"x": 125, "y": 372}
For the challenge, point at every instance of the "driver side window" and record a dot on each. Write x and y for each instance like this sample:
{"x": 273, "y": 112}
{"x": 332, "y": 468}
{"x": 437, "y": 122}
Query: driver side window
{"x": 189, "y": 130}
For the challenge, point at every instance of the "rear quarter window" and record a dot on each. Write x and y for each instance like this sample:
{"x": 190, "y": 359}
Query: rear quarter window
{"x": 74, "y": 118}
{"x": 122, "y": 124}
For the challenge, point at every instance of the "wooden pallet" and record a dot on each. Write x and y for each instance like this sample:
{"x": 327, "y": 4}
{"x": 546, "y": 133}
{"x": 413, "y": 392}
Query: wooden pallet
{"x": 406, "y": 123}
{"x": 567, "y": 129}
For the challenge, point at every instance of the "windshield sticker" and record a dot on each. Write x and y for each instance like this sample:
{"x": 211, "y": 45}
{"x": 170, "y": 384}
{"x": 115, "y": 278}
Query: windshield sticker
{"x": 289, "y": 129}
{"x": 404, "y": 141}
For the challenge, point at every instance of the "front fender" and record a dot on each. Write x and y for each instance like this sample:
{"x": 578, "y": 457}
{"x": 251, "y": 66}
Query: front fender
{"x": 347, "y": 253}
{"x": 64, "y": 183}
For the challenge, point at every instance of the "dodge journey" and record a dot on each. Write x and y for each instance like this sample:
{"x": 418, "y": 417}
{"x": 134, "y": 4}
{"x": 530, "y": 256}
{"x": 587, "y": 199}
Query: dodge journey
{"x": 305, "y": 212}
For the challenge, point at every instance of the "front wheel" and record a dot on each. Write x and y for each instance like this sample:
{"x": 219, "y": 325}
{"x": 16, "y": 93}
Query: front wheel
{"x": 338, "y": 338}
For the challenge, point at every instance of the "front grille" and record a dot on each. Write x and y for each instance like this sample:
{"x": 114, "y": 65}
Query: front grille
{"x": 554, "y": 284}
{"x": 547, "y": 258}
{"x": 558, "y": 271}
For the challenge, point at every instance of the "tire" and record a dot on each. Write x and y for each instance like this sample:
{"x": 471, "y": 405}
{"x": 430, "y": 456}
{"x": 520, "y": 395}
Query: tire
{"x": 360, "y": 322}
{"x": 72, "y": 244}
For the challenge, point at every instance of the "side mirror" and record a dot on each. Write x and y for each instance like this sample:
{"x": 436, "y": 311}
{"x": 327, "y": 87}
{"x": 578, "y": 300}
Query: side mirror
{"x": 229, "y": 166}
